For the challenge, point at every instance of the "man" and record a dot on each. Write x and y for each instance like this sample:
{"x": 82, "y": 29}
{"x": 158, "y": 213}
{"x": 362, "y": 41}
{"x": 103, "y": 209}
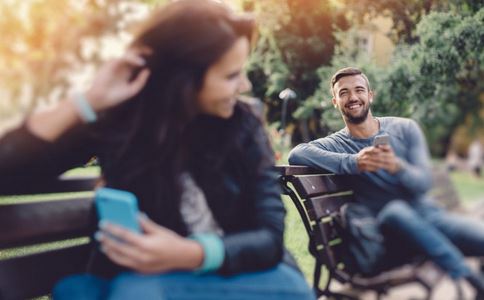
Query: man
{"x": 474, "y": 157}
{"x": 392, "y": 179}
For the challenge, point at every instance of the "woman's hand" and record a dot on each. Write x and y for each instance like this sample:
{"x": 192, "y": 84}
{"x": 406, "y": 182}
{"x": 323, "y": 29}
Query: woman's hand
{"x": 114, "y": 82}
{"x": 113, "y": 85}
{"x": 158, "y": 250}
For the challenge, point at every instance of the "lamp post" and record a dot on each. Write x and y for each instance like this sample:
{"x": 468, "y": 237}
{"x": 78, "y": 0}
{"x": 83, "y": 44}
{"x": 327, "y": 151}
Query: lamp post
{"x": 285, "y": 95}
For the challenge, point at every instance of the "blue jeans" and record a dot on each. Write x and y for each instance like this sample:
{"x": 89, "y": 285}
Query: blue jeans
{"x": 444, "y": 237}
{"x": 281, "y": 282}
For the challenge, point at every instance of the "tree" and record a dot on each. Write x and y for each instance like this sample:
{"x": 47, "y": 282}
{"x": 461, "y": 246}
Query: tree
{"x": 442, "y": 75}
{"x": 296, "y": 38}
{"x": 45, "y": 42}
{"x": 406, "y": 14}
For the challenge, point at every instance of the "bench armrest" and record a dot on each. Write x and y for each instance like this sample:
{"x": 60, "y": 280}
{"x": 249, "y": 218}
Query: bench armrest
{"x": 287, "y": 170}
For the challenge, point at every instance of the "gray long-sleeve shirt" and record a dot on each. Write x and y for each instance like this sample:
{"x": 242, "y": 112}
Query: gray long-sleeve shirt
{"x": 337, "y": 153}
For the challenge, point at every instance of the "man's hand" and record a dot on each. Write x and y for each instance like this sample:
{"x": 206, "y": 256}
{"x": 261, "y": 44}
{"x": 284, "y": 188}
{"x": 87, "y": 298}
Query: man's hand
{"x": 158, "y": 250}
{"x": 371, "y": 159}
{"x": 391, "y": 162}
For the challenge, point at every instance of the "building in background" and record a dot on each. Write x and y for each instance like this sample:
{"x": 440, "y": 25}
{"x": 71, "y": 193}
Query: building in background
{"x": 371, "y": 40}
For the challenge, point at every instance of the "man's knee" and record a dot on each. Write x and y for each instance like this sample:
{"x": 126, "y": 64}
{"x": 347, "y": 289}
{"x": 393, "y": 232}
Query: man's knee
{"x": 396, "y": 212}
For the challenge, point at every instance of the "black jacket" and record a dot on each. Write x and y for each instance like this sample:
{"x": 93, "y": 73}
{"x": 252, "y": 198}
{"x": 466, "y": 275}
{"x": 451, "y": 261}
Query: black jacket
{"x": 245, "y": 200}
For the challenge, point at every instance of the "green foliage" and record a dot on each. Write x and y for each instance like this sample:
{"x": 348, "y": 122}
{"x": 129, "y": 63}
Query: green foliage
{"x": 433, "y": 77}
{"x": 407, "y": 14}
{"x": 441, "y": 75}
{"x": 296, "y": 38}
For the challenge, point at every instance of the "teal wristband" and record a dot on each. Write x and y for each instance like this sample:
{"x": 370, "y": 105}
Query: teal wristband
{"x": 213, "y": 250}
{"x": 85, "y": 110}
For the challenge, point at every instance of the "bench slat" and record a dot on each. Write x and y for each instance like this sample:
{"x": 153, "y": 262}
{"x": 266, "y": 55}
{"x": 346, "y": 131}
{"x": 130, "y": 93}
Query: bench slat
{"x": 29, "y": 223}
{"x": 35, "y": 275}
{"x": 286, "y": 170}
{"x": 24, "y": 186}
{"x": 316, "y": 185}
{"x": 323, "y": 206}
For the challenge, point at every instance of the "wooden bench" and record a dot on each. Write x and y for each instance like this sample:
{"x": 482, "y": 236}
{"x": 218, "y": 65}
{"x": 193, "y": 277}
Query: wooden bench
{"x": 317, "y": 196}
{"x": 32, "y": 223}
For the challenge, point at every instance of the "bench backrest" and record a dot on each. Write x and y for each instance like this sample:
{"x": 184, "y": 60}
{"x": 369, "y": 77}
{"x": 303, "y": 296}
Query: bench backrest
{"x": 34, "y": 222}
{"x": 319, "y": 196}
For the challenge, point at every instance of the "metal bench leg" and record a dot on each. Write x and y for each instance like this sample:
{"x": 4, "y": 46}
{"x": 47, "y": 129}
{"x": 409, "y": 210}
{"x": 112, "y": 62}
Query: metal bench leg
{"x": 317, "y": 278}
{"x": 326, "y": 292}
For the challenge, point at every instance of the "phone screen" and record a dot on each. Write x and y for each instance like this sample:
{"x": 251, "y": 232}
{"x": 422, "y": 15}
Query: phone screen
{"x": 118, "y": 207}
{"x": 383, "y": 139}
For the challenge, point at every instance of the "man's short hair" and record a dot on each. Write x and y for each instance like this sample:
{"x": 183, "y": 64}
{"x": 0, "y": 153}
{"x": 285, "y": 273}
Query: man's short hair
{"x": 348, "y": 71}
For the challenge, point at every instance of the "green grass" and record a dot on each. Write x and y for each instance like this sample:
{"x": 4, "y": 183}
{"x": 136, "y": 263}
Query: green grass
{"x": 296, "y": 238}
{"x": 469, "y": 188}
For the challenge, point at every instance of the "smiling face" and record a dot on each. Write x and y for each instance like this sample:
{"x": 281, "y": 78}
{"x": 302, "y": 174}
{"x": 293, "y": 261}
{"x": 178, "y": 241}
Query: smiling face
{"x": 353, "y": 98}
{"x": 224, "y": 80}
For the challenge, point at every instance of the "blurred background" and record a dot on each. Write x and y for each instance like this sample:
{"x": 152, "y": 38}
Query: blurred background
{"x": 423, "y": 57}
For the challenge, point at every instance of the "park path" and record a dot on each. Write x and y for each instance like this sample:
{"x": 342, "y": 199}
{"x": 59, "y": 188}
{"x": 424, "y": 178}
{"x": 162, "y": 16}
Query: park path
{"x": 445, "y": 290}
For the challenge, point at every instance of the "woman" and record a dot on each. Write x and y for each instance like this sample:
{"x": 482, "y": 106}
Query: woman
{"x": 168, "y": 128}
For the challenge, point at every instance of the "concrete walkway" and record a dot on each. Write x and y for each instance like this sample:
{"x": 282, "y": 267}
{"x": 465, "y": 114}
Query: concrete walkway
{"x": 445, "y": 290}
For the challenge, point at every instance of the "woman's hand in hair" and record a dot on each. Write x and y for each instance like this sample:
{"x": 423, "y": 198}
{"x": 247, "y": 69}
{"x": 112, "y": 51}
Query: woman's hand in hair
{"x": 113, "y": 84}
{"x": 158, "y": 250}
{"x": 118, "y": 80}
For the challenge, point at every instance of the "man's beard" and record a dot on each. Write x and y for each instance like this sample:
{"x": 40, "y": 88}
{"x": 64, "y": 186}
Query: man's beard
{"x": 359, "y": 118}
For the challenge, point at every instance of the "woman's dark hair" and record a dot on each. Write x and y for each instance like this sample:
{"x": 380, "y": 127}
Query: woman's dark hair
{"x": 185, "y": 37}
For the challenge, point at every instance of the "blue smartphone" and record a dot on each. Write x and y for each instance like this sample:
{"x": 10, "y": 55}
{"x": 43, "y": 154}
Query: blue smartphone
{"x": 118, "y": 207}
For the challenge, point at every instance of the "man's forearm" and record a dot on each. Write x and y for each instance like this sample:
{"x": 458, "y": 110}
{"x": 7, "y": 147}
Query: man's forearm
{"x": 415, "y": 171}
{"x": 313, "y": 156}
{"x": 417, "y": 179}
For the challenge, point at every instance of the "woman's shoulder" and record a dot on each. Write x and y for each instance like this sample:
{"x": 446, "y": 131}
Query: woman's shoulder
{"x": 251, "y": 105}
{"x": 247, "y": 115}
